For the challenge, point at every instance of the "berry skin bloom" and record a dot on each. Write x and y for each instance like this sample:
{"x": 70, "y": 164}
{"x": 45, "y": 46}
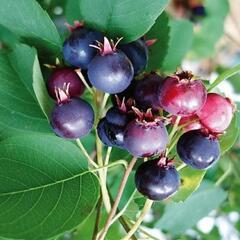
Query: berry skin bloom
{"x": 72, "y": 119}
{"x": 217, "y": 113}
{"x": 181, "y": 96}
{"x": 110, "y": 71}
{"x": 137, "y": 52}
{"x": 61, "y": 78}
{"x": 146, "y": 92}
{"x": 145, "y": 139}
{"x": 198, "y": 150}
{"x": 155, "y": 181}
{"x": 76, "y": 49}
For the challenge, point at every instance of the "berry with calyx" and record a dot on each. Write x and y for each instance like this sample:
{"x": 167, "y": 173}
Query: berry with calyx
{"x": 198, "y": 149}
{"x": 110, "y": 71}
{"x": 182, "y": 96}
{"x": 76, "y": 49}
{"x": 157, "y": 181}
{"x": 61, "y": 78}
{"x": 146, "y": 92}
{"x": 217, "y": 113}
{"x": 137, "y": 52}
{"x": 117, "y": 117}
{"x": 72, "y": 118}
{"x": 145, "y": 137}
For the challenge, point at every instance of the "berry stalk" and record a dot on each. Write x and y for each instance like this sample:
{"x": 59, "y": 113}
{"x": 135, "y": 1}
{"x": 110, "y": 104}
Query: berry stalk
{"x": 117, "y": 200}
{"x": 146, "y": 208}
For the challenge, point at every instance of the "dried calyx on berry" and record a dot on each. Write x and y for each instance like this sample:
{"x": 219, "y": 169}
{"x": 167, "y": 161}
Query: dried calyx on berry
{"x": 157, "y": 179}
{"x": 181, "y": 95}
{"x": 110, "y": 71}
{"x": 146, "y": 135}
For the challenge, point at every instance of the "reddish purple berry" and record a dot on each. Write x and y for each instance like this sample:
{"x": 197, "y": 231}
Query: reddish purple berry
{"x": 72, "y": 119}
{"x": 182, "y": 96}
{"x": 217, "y": 113}
{"x": 145, "y": 139}
{"x": 63, "y": 77}
{"x": 155, "y": 181}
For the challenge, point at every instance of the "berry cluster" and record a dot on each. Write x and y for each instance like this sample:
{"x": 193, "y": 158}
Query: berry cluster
{"x": 143, "y": 106}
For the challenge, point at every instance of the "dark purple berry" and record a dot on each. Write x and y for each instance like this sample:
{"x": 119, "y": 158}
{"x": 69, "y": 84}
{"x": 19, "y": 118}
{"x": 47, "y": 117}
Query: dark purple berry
{"x": 145, "y": 139}
{"x": 73, "y": 119}
{"x": 76, "y": 49}
{"x": 146, "y": 92}
{"x": 155, "y": 181}
{"x": 117, "y": 117}
{"x": 198, "y": 150}
{"x": 102, "y": 134}
{"x": 63, "y": 78}
{"x": 111, "y": 71}
{"x": 137, "y": 53}
{"x": 110, "y": 135}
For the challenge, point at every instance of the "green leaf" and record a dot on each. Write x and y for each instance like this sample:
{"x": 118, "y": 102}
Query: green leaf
{"x": 45, "y": 187}
{"x": 228, "y": 139}
{"x": 211, "y": 28}
{"x": 39, "y": 87}
{"x": 178, "y": 217}
{"x": 117, "y": 18}
{"x": 158, "y": 51}
{"x": 174, "y": 39}
{"x": 7, "y": 37}
{"x": 29, "y": 21}
{"x": 19, "y": 109}
{"x": 190, "y": 181}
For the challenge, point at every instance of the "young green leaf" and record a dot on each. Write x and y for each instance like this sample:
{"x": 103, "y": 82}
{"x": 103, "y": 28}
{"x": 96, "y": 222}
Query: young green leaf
{"x": 19, "y": 109}
{"x": 29, "y": 21}
{"x": 46, "y": 187}
{"x": 119, "y": 18}
{"x": 211, "y": 28}
{"x": 40, "y": 89}
{"x": 178, "y": 217}
{"x": 228, "y": 139}
{"x": 190, "y": 181}
{"x": 174, "y": 39}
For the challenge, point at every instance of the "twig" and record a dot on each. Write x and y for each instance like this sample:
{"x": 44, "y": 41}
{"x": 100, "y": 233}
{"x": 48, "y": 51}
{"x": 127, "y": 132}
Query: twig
{"x": 118, "y": 198}
{"x": 79, "y": 73}
{"x": 80, "y": 145}
{"x": 98, "y": 218}
{"x": 146, "y": 208}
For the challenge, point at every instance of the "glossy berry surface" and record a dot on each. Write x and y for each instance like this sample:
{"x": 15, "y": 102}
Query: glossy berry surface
{"x": 110, "y": 135}
{"x": 146, "y": 92}
{"x": 73, "y": 119}
{"x": 217, "y": 113}
{"x": 198, "y": 150}
{"x": 117, "y": 117}
{"x": 137, "y": 53}
{"x": 111, "y": 73}
{"x": 156, "y": 182}
{"x": 145, "y": 139}
{"x": 60, "y": 78}
{"x": 102, "y": 134}
{"x": 182, "y": 97}
{"x": 76, "y": 49}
